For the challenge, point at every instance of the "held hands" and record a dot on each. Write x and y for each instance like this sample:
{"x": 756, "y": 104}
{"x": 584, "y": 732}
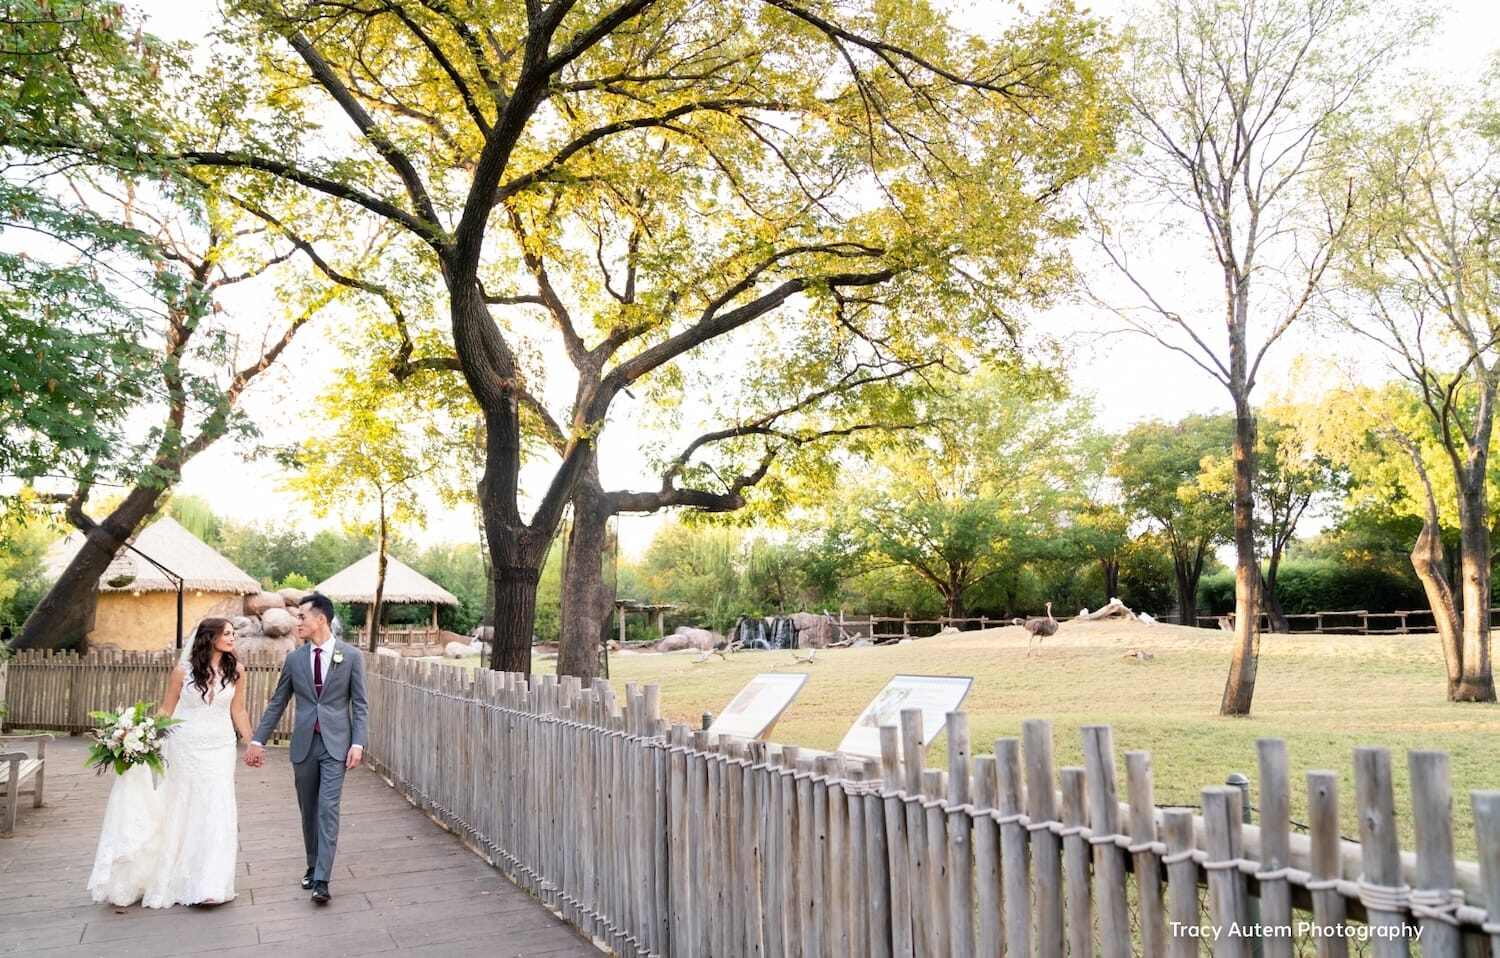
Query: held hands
{"x": 255, "y": 755}
{"x": 356, "y": 755}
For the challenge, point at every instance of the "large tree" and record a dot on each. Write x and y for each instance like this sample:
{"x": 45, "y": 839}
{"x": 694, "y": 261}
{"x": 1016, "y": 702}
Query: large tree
{"x": 975, "y": 497}
{"x": 1160, "y": 470}
{"x": 1233, "y": 107}
{"x": 726, "y": 159}
{"x": 1422, "y": 278}
{"x": 175, "y": 247}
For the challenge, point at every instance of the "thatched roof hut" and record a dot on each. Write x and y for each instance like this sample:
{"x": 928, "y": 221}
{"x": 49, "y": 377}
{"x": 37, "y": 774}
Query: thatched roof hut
{"x": 137, "y": 607}
{"x": 403, "y": 586}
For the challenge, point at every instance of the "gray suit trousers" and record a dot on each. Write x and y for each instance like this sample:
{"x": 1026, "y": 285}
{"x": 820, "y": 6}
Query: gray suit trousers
{"x": 320, "y": 784}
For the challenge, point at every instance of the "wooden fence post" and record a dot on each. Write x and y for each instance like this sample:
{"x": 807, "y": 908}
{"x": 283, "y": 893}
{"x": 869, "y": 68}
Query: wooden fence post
{"x": 1182, "y": 883}
{"x": 1380, "y": 851}
{"x": 1432, "y": 815}
{"x": 1109, "y": 858}
{"x": 1275, "y": 847}
{"x": 1226, "y": 886}
{"x": 960, "y": 850}
{"x": 1080, "y": 920}
{"x": 1329, "y": 909}
{"x": 1046, "y": 863}
{"x": 1146, "y": 862}
{"x": 897, "y": 842}
{"x": 1486, "y": 805}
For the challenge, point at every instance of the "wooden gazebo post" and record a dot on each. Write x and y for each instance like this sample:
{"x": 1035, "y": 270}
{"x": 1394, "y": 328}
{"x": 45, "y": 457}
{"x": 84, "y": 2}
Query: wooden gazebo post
{"x": 434, "y": 635}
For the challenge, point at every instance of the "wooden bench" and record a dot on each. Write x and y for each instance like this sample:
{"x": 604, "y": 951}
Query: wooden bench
{"x": 16, "y": 767}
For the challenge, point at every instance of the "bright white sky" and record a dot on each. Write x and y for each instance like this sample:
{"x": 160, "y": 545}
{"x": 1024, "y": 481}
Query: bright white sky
{"x": 1131, "y": 378}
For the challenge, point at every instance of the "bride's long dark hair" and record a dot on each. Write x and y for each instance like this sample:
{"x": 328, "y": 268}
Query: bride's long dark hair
{"x": 201, "y": 658}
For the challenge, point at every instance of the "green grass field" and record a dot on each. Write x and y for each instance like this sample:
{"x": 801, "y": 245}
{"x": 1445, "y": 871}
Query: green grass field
{"x": 1323, "y": 694}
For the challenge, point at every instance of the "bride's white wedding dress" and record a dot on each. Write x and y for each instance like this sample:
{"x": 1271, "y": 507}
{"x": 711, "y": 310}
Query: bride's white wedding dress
{"x": 176, "y": 844}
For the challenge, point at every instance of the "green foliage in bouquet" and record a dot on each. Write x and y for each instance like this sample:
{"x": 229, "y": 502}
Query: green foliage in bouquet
{"x": 129, "y": 737}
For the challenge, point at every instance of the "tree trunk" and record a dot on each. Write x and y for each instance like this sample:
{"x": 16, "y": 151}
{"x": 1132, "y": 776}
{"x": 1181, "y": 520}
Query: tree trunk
{"x": 515, "y": 617}
{"x": 65, "y": 616}
{"x": 1239, "y": 688}
{"x": 586, "y": 598}
{"x": 1269, "y": 602}
{"x": 1430, "y": 565}
{"x": 1187, "y": 592}
{"x": 1476, "y": 681}
{"x": 380, "y": 565}
{"x": 1111, "y": 569}
{"x": 953, "y": 598}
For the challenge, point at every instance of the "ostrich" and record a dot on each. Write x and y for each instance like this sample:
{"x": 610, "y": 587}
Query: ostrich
{"x": 1039, "y": 628}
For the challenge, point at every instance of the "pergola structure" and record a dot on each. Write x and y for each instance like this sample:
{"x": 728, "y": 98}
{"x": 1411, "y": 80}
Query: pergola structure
{"x": 403, "y": 586}
{"x": 623, "y": 607}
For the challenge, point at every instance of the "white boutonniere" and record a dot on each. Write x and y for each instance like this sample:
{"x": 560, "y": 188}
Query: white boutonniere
{"x": 337, "y": 657}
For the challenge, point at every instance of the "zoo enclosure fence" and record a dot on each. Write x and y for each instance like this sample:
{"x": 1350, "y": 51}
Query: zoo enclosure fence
{"x": 659, "y": 841}
{"x": 56, "y": 691}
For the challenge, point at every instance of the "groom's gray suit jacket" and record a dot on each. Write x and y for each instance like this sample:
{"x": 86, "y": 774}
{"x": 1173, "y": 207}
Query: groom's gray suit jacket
{"x": 340, "y": 712}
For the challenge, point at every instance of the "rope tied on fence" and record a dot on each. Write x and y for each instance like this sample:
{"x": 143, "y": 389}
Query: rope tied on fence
{"x": 1377, "y": 897}
{"x": 1437, "y": 904}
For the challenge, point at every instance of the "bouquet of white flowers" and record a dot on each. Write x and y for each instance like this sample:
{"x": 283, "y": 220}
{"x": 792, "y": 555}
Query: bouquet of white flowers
{"x": 128, "y": 737}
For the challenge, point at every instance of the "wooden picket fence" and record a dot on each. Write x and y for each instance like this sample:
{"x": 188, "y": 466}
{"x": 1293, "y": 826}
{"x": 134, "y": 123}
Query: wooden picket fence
{"x": 56, "y": 691}
{"x": 659, "y": 841}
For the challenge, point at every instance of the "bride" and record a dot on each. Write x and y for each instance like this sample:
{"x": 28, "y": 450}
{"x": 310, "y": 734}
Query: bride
{"x": 176, "y": 844}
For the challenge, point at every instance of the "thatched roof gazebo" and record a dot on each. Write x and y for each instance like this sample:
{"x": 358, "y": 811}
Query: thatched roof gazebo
{"x": 403, "y": 586}
{"x": 139, "y": 601}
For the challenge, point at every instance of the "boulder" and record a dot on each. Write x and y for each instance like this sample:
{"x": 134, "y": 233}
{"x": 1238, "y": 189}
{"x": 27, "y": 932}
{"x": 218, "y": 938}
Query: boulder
{"x": 1146, "y": 617}
{"x": 457, "y": 650}
{"x": 814, "y": 630}
{"x": 264, "y": 645}
{"x": 277, "y": 623}
{"x": 251, "y": 626}
{"x": 948, "y": 630}
{"x": 703, "y": 640}
{"x": 293, "y": 596}
{"x": 261, "y": 601}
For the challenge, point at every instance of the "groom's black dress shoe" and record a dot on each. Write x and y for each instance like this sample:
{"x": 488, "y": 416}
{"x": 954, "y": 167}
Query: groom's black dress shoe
{"x": 320, "y": 892}
{"x": 307, "y": 881}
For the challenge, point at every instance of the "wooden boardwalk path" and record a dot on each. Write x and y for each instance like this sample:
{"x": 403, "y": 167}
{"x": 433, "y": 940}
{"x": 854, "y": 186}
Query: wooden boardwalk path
{"x": 402, "y": 884}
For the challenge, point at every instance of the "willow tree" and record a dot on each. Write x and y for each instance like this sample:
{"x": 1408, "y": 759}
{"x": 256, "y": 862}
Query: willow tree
{"x": 1233, "y": 108}
{"x": 717, "y": 162}
{"x": 1423, "y": 285}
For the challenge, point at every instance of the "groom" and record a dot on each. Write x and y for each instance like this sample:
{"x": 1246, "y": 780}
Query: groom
{"x": 328, "y": 734}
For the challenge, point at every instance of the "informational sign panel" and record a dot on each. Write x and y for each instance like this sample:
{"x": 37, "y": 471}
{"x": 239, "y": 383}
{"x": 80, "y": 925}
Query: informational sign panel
{"x": 752, "y": 713}
{"x": 935, "y": 695}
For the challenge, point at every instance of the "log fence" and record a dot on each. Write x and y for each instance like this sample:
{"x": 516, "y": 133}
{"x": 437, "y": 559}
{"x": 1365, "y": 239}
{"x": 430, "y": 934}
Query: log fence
{"x": 56, "y": 691}
{"x": 658, "y": 840}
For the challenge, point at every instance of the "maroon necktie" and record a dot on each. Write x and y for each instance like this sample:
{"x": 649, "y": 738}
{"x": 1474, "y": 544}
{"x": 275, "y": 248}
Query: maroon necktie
{"x": 317, "y": 677}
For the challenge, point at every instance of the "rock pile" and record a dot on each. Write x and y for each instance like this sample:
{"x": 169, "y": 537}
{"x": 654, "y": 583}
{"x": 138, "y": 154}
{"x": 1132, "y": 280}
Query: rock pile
{"x": 267, "y": 625}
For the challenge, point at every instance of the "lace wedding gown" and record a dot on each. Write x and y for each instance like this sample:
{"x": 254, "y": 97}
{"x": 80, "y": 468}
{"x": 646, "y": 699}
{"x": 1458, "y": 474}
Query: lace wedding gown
{"x": 176, "y": 844}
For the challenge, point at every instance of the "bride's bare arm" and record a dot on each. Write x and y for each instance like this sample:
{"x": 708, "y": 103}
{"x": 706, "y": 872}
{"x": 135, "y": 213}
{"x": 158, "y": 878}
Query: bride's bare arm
{"x": 239, "y": 713}
{"x": 174, "y": 690}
